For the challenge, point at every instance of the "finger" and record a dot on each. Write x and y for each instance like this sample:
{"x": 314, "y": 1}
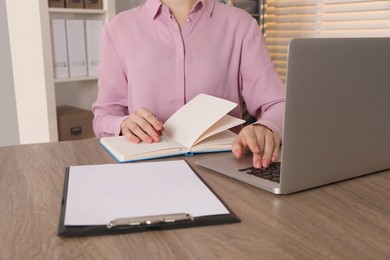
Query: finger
{"x": 276, "y": 151}
{"x": 268, "y": 149}
{"x": 129, "y": 135}
{"x": 157, "y": 126}
{"x": 139, "y": 132}
{"x": 256, "y": 160}
{"x": 143, "y": 127}
{"x": 251, "y": 141}
{"x": 151, "y": 119}
{"x": 237, "y": 146}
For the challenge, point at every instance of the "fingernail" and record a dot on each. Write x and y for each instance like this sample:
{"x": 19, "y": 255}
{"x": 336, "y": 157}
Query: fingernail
{"x": 258, "y": 164}
{"x": 265, "y": 163}
{"x": 135, "y": 140}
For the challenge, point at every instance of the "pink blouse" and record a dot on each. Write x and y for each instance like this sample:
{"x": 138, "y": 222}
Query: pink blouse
{"x": 146, "y": 61}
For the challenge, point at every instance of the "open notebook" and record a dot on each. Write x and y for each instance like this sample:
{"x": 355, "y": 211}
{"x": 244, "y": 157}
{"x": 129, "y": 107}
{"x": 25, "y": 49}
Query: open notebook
{"x": 200, "y": 126}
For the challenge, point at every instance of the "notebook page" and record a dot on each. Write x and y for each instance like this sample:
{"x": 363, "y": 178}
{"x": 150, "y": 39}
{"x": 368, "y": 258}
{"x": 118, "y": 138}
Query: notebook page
{"x": 98, "y": 194}
{"x": 194, "y": 118}
{"x": 225, "y": 123}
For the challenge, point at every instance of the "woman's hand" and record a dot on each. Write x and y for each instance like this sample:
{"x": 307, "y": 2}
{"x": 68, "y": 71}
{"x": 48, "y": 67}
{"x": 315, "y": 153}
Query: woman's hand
{"x": 142, "y": 125}
{"x": 263, "y": 143}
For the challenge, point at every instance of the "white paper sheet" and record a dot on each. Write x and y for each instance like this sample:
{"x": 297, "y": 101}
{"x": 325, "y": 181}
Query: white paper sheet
{"x": 98, "y": 194}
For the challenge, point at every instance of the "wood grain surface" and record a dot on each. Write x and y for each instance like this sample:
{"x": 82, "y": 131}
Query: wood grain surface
{"x": 345, "y": 220}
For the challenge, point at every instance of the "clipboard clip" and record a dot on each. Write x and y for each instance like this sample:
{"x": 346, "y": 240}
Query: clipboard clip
{"x": 149, "y": 220}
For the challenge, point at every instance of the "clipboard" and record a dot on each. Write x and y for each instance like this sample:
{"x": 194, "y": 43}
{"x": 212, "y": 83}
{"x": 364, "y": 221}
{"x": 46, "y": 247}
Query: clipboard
{"x": 148, "y": 222}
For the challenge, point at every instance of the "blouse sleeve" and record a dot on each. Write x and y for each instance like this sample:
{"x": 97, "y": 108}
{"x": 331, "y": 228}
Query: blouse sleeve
{"x": 110, "y": 108}
{"x": 262, "y": 88}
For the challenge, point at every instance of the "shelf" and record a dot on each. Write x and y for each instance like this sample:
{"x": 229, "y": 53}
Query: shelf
{"x": 74, "y": 79}
{"x": 76, "y": 11}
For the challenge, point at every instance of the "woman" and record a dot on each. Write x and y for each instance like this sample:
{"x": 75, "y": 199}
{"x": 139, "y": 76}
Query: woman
{"x": 160, "y": 55}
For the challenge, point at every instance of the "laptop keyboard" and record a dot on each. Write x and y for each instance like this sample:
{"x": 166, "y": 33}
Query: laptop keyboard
{"x": 271, "y": 173}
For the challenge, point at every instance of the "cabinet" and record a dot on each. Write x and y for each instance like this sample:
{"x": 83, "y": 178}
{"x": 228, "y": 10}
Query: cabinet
{"x": 79, "y": 91}
{"x": 37, "y": 94}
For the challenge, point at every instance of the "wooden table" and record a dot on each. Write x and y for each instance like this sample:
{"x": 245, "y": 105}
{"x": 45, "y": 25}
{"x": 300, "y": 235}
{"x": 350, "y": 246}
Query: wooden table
{"x": 346, "y": 220}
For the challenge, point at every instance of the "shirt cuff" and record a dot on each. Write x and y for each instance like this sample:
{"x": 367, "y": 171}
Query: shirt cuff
{"x": 118, "y": 124}
{"x": 272, "y": 126}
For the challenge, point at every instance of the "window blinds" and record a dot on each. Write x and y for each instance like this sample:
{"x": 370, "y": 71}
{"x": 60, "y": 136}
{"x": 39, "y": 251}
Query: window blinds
{"x": 287, "y": 19}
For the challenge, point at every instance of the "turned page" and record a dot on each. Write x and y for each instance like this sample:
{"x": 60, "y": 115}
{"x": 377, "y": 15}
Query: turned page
{"x": 197, "y": 116}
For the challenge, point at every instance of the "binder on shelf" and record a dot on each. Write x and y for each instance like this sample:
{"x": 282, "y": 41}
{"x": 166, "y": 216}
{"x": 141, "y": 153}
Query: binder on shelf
{"x": 93, "y": 30}
{"x": 126, "y": 198}
{"x": 60, "y": 53}
{"x": 57, "y": 3}
{"x": 76, "y": 48}
{"x": 74, "y": 3}
{"x": 93, "y": 4}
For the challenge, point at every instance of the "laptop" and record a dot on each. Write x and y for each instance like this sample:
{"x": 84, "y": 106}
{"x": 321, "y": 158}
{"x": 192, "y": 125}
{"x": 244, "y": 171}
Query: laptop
{"x": 337, "y": 120}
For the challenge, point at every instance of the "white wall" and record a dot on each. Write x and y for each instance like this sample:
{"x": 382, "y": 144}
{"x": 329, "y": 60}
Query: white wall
{"x": 9, "y": 133}
{"x": 30, "y": 49}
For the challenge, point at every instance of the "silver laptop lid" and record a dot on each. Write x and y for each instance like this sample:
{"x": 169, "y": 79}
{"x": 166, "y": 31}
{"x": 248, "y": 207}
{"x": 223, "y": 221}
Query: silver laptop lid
{"x": 337, "y": 121}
